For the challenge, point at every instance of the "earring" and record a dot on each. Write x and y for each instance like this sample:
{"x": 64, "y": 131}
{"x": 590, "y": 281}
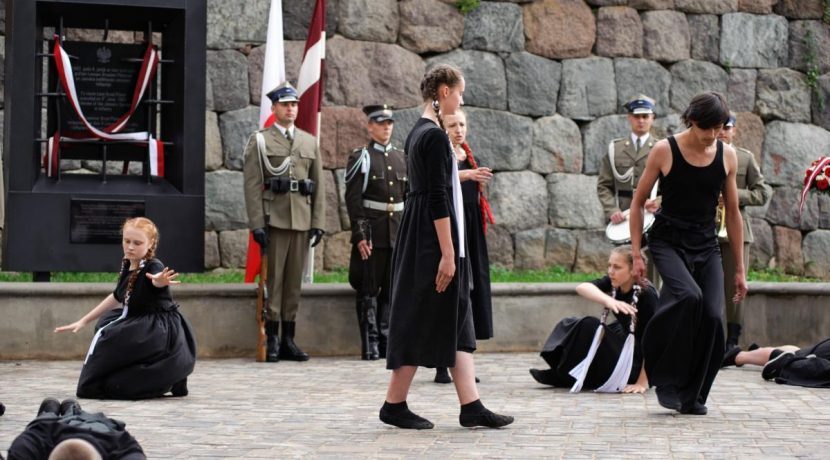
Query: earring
{"x": 435, "y": 105}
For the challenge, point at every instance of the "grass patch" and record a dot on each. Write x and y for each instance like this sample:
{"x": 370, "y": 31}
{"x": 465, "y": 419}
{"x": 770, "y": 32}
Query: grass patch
{"x": 497, "y": 275}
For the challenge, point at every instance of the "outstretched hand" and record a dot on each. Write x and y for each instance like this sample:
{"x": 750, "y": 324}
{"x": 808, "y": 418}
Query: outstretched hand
{"x": 164, "y": 278}
{"x": 635, "y": 388}
{"x": 74, "y": 327}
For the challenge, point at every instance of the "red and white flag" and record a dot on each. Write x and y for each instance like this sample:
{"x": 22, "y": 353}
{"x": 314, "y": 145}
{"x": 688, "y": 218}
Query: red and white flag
{"x": 273, "y": 73}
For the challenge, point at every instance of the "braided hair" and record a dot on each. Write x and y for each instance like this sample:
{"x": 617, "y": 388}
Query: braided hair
{"x": 441, "y": 74}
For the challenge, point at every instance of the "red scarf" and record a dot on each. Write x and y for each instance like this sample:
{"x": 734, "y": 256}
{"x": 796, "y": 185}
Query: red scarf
{"x": 486, "y": 213}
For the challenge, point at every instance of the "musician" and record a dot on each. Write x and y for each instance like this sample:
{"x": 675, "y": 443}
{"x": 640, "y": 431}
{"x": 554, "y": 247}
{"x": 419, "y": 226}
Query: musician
{"x": 752, "y": 191}
{"x": 284, "y": 199}
{"x": 376, "y": 184}
{"x": 622, "y": 167}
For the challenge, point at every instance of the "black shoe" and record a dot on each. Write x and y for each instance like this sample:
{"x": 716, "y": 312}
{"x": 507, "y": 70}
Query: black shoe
{"x": 729, "y": 357}
{"x": 753, "y": 346}
{"x": 487, "y": 419}
{"x": 272, "y": 342}
{"x": 542, "y": 376}
{"x": 180, "y": 388}
{"x": 70, "y": 407}
{"x": 695, "y": 409}
{"x": 289, "y": 350}
{"x": 442, "y": 375}
{"x": 667, "y": 397}
{"x": 49, "y": 406}
{"x": 2, "y": 409}
{"x": 404, "y": 418}
{"x": 773, "y": 367}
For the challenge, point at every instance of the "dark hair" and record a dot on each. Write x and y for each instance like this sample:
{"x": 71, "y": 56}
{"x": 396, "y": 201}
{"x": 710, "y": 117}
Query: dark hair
{"x": 707, "y": 110}
{"x": 441, "y": 74}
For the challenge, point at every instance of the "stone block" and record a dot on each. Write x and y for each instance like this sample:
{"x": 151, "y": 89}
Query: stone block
{"x": 557, "y": 146}
{"x": 293, "y": 52}
{"x": 669, "y": 125}
{"x": 756, "y": 6}
{"x": 788, "y": 253}
{"x": 337, "y": 251}
{"x": 227, "y": 71}
{"x": 343, "y": 129}
{"x": 405, "y": 119}
{"x": 353, "y": 78}
{"x": 816, "y": 250}
{"x": 573, "y": 201}
{"x": 641, "y": 76}
{"x": 430, "y": 26}
{"x": 750, "y": 40}
{"x": 606, "y": 2}
{"x": 532, "y": 84}
{"x": 229, "y": 23}
{"x": 809, "y": 46}
{"x": 704, "y": 36}
{"x": 800, "y": 9}
{"x": 530, "y": 249}
{"x": 484, "y": 78}
{"x": 486, "y": 134}
{"x": 494, "y": 27}
{"x": 596, "y": 136}
{"x": 782, "y": 94}
{"x": 319, "y": 253}
{"x": 665, "y": 36}
{"x": 783, "y": 209}
{"x": 236, "y": 128}
{"x": 789, "y": 149}
{"x": 619, "y": 32}
{"x": 762, "y": 250}
{"x": 587, "y": 90}
{"x": 213, "y": 142}
{"x": 500, "y": 246}
{"x": 368, "y": 20}
{"x": 212, "y": 257}
{"x": 740, "y": 89}
{"x": 823, "y": 211}
{"x": 332, "y": 223}
{"x": 559, "y": 29}
{"x": 706, "y": 6}
{"x": 296, "y": 18}
{"x": 233, "y": 247}
{"x": 518, "y": 200}
{"x": 820, "y": 105}
{"x": 749, "y": 133}
{"x": 692, "y": 77}
{"x": 592, "y": 251}
{"x": 224, "y": 201}
{"x": 560, "y": 248}
{"x": 651, "y": 4}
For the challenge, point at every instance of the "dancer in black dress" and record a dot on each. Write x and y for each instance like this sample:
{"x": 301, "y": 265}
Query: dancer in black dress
{"x": 683, "y": 344}
{"x": 571, "y": 339}
{"x": 431, "y": 321}
{"x": 787, "y": 364}
{"x": 143, "y": 347}
{"x": 477, "y": 215}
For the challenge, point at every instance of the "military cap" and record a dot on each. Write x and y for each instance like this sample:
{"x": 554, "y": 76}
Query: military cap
{"x": 640, "y": 104}
{"x": 379, "y": 112}
{"x": 730, "y": 122}
{"x": 283, "y": 93}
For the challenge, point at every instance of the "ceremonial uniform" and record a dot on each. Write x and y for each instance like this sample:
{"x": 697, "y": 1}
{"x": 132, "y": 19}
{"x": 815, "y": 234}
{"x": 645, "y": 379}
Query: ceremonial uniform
{"x": 284, "y": 192}
{"x": 376, "y": 184}
{"x": 752, "y": 191}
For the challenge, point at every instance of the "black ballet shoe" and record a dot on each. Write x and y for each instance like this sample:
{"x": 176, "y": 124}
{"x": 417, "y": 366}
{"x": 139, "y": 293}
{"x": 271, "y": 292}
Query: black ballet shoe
{"x": 667, "y": 397}
{"x": 442, "y": 375}
{"x": 774, "y": 366}
{"x": 401, "y": 417}
{"x": 70, "y": 407}
{"x": 729, "y": 357}
{"x": 542, "y": 376}
{"x": 695, "y": 409}
{"x": 488, "y": 419}
{"x": 49, "y": 406}
{"x": 180, "y": 388}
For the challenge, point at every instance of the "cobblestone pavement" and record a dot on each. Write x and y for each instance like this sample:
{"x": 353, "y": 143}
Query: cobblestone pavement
{"x": 327, "y": 408}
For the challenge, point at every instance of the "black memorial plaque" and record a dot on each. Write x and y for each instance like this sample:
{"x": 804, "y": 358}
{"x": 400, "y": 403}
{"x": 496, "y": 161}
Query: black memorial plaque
{"x": 100, "y": 221}
{"x": 105, "y": 80}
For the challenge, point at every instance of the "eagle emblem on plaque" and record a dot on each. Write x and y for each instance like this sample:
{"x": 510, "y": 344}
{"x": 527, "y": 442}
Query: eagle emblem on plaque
{"x": 104, "y": 54}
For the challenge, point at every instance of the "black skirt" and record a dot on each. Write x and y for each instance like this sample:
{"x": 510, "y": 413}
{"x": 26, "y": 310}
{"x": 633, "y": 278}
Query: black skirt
{"x": 479, "y": 260}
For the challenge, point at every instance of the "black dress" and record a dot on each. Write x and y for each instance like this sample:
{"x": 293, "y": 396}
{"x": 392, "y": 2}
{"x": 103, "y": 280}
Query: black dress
{"x": 807, "y": 367}
{"x": 426, "y": 328}
{"x": 570, "y": 340}
{"x": 142, "y": 353}
{"x": 479, "y": 260}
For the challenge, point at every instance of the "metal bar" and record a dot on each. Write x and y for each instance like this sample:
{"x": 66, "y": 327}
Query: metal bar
{"x": 103, "y": 163}
{"x": 97, "y": 141}
{"x": 51, "y": 55}
{"x": 161, "y": 61}
{"x": 158, "y": 101}
{"x": 49, "y": 94}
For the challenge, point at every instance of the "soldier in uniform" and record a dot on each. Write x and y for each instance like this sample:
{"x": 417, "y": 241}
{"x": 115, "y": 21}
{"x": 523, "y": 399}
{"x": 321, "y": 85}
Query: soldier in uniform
{"x": 623, "y": 166}
{"x": 752, "y": 191}
{"x": 376, "y": 183}
{"x": 284, "y": 198}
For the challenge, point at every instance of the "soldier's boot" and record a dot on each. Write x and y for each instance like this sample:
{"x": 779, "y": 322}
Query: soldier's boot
{"x": 289, "y": 350}
{"x": 272, "y": 341}
{"x": 733, "y": 333}
{"x": 372, "y": 335}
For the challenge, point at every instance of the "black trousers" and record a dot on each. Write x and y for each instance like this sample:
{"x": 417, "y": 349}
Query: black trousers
{"x": 684, "y": 341}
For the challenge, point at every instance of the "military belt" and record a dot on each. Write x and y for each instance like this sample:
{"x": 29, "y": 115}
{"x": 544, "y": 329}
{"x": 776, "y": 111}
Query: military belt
{"x": 380, "y": 206}
{"x": 284, "y": 185}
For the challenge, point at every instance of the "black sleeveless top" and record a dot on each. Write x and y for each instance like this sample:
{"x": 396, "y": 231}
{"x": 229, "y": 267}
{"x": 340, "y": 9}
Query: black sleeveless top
{"x": 690, "y": 193}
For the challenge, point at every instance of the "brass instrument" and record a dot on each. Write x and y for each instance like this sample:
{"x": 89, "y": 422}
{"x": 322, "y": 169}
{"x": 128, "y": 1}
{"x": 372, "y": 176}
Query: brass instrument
{"x": 720, "y": 218}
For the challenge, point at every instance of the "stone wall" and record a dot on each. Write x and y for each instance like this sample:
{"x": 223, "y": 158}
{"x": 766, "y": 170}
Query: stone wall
{"x": 546, "y": 80}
